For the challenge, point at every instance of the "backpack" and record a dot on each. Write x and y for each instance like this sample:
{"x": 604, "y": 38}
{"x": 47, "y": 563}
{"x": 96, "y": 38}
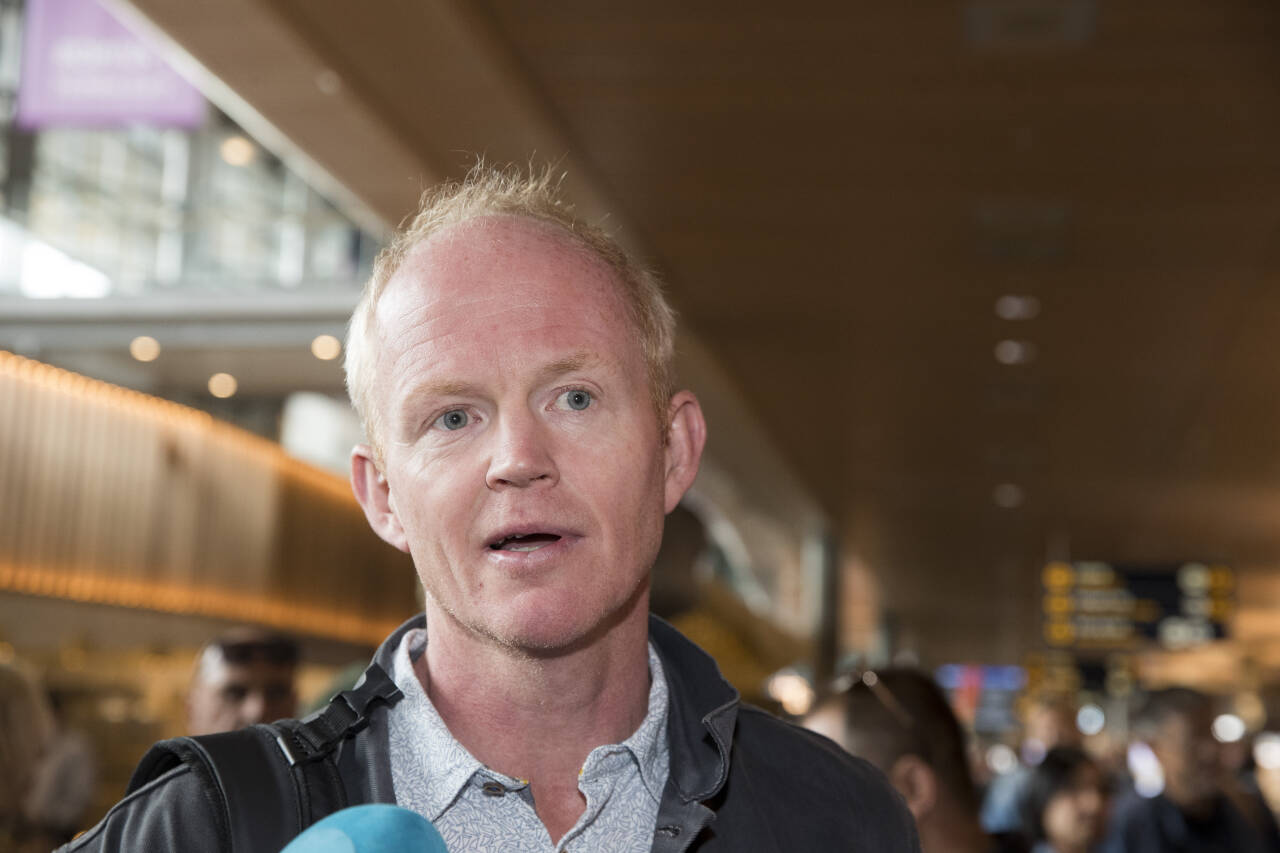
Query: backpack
{"x": 272, "y": 780}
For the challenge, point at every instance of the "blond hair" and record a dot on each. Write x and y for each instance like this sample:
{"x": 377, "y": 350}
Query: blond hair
{"x": 488, "y": 191}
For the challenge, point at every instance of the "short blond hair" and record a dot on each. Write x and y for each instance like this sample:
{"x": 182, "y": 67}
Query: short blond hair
{"x": 488, "y": 191}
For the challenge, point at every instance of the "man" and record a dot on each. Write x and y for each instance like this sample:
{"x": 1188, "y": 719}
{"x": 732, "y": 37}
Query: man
{"x": 899, "y": 720}
{"x": 513, "y": 370}
{"x": 244, "y": 677}
{"x": 1051, "y": 722}
{"x": 1193, "y": 814}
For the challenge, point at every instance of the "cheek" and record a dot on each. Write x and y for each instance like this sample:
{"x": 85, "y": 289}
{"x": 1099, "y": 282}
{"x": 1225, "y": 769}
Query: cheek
{"x": 429, "y": 491}
{"x": 1060, "y": 819}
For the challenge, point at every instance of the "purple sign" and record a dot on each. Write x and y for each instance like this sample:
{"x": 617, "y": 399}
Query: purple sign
{"x": 82, "y": 68}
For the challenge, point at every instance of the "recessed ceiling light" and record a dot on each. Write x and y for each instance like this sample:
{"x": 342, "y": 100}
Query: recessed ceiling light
{"x": 222, "y": 385}
{"x": 1013, "y": 306}
{"x": 1228, "y": 728}
{"x": 1008, "y": 495}
{"x": 237, "y": 150}
{"x": 326, "y": 347}
{"x": 144, "y": 348}
{"x": 1090, "y": 719}
{"x": 1015, "y": 352}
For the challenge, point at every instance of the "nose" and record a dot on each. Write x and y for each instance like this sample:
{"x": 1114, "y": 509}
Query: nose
{"x": 521, "y": 456}
{"x": 253, "y": 708}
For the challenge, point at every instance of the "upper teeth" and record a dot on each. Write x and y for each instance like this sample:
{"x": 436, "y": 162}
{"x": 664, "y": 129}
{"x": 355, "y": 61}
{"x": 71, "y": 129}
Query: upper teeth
{"x": 506, "y": 543}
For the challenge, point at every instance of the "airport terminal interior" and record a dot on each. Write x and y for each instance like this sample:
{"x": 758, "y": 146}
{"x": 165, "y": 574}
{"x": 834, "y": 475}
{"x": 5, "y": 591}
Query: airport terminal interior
{"x": 981, "y": 300}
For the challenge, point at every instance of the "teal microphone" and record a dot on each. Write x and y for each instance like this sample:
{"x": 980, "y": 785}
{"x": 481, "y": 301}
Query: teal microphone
{"x": 373, "y": 828}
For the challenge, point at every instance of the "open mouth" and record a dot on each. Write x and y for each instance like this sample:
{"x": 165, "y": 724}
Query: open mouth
{"x": 524, "y": 542}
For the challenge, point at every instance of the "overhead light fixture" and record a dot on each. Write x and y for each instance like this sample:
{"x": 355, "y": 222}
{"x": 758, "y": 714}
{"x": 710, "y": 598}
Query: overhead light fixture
{"x": 791, "y": 690}
{"x": 237, "y": 150}
{"x": 1266, "y": 751}
{"x": 1013, "y": 352}
{"x": 326, "y": 347}
{"x": 1008, "y": 496}
{"x": 1228, "y": 728}
{"x": 144, "y": 348}
{"x": 222, "y": 385}
{"x": 1090, "y": 719}
{"x": 1001, "y": 759}
{"x": 1014, "y": 306}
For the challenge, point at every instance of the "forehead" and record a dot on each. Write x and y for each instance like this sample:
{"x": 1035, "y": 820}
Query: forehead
{"x": 501, "y": 275}
{"x": 222, "y": 672}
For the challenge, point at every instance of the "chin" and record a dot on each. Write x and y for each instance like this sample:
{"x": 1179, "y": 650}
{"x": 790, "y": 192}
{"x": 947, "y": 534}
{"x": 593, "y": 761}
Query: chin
{"x": 564, "y": 624}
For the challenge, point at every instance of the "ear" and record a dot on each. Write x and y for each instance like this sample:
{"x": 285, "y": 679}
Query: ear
{"x": 686, "y": 435}
{"x": 374, "y": 496}
{"x": 917, "y": 783}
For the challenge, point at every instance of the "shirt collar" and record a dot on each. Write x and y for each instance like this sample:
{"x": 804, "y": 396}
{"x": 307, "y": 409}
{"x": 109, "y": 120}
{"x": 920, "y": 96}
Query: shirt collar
{"x": 452, "y": 767}
{"x": 648, "y": 744}
{"x": 444, "y": 764}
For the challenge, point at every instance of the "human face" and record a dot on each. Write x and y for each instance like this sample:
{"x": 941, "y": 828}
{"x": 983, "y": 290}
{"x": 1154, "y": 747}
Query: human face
{"x": 227, "y": 696}
{"x": 1190, "y": 758}
{"x": 523, "y": 467}
{"x": 1074, "y": 818}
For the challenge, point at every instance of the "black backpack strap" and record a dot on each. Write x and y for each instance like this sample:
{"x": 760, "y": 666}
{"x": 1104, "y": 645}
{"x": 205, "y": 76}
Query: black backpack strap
{"x": 273, "y": 781}
{"x": 251, "y": 789}
{"x": 308, "y": 745}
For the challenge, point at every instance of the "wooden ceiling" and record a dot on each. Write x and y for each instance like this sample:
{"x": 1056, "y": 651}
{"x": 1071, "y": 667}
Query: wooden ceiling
{"x": 837, "y": 194}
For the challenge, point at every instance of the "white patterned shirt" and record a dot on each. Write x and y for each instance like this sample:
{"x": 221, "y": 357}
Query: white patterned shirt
{"x": 479, "y": 809}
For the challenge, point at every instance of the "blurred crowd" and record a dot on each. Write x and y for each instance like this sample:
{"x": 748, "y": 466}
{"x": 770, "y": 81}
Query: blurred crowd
{"x": 1171, "y": 785}
{"x": 1177, "y": 788}
{"x": 50, "y": 772}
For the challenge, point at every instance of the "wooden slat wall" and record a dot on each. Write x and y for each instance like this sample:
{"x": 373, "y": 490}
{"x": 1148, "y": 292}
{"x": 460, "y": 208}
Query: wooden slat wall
{"x": 111, "y": 496}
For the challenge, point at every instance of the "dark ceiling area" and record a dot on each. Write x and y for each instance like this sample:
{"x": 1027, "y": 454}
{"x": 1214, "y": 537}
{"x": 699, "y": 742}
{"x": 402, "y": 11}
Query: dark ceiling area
{"x": 839, "y": 194}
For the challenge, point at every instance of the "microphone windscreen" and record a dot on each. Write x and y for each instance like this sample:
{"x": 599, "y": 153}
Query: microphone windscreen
{"x": 371, "y": 828}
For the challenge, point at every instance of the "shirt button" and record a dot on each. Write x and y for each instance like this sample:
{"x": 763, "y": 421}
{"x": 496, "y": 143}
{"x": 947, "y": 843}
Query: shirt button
{"x": 493, "y": 789}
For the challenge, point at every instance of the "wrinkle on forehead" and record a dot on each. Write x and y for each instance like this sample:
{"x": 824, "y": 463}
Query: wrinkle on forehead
{"x": 452, "y": 249}
{"x": 508, "y": 275}
{"x": 433, "y": 274}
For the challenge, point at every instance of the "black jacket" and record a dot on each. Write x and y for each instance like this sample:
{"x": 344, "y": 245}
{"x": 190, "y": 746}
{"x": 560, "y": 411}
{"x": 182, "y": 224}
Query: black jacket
{"x": 740, "y": 779}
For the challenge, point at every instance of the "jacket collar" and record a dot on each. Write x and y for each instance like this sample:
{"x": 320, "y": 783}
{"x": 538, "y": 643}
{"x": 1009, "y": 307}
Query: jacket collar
{"x": 703, "y": 709}
{"x": 386, "y": 653}
{"x": 703, "y": 715}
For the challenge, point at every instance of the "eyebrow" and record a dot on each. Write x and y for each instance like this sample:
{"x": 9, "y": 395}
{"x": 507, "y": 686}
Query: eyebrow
{"x": 441, "y": 388}
{"x": 569, "y": 364}
{"x": 452, "y": 388}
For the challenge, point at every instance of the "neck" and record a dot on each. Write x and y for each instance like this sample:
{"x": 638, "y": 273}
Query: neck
{"x": 951, "y": 833}
{"x": 1062, "y": 847}
{"x": 1195, "y": 806}
{"x": 537, "y": 716}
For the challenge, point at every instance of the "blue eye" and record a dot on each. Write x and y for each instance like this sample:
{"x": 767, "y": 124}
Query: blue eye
{"x": 577, "y": 399}
{"x": 451, "y": 420}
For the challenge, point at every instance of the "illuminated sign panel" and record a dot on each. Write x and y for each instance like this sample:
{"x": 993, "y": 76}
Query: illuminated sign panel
{"x": 1104, "y": 606}
{"x": 82, "y": 68}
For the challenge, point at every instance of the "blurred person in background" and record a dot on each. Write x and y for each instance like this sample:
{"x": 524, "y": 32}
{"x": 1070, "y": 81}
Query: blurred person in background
{"x": 1065, "y": 802}
{"x": 1051, "y": 722}
{"x": 747, "y": 648}
{"x": 1193, "y": 812}
{"x": 46, "y": 778}
{"x": 1242, "y": 784}
{"x": 246, "y": 676}
{"x": 65, "y": 781}
{"x": 900, "y": 721}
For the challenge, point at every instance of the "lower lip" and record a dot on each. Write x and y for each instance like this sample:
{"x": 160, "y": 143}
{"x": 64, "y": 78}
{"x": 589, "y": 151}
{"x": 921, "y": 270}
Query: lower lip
{"x": 549, "y": 552}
